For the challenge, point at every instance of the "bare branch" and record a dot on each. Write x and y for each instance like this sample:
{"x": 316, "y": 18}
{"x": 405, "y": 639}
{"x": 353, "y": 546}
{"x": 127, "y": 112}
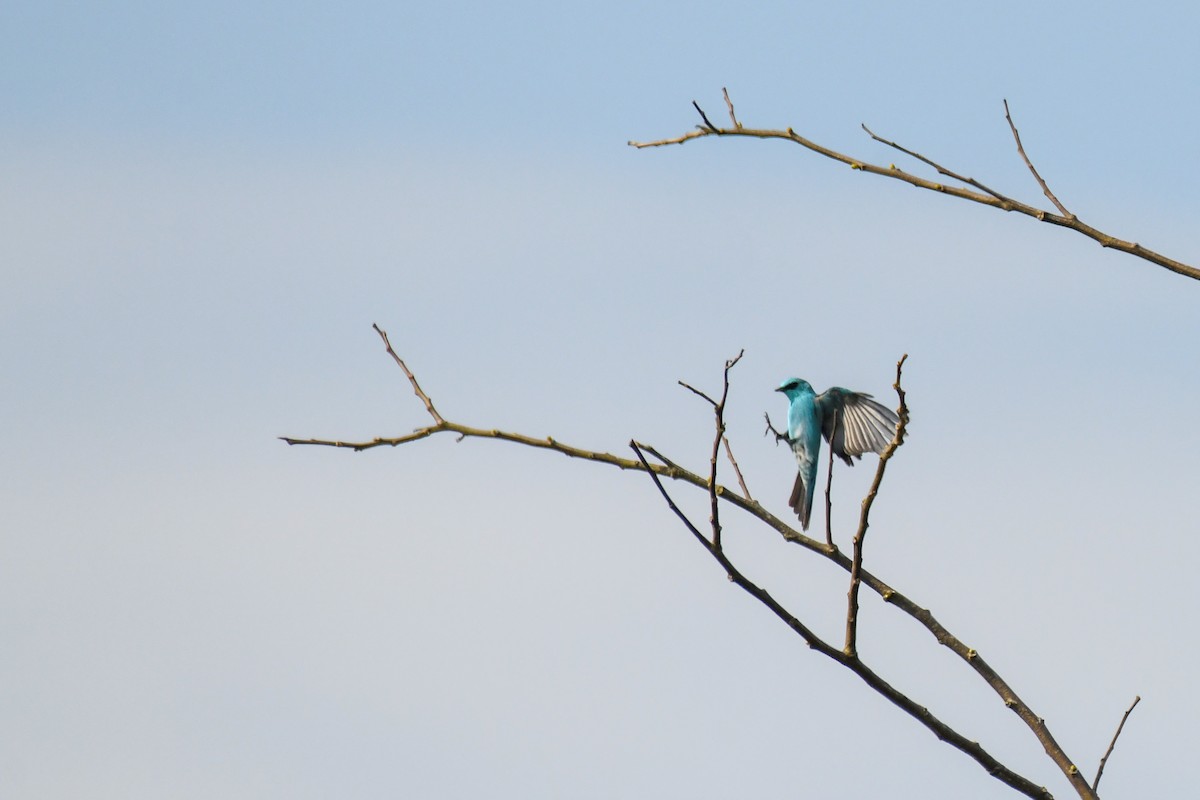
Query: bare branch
{"x": 736, "y": 469}
{"x": 411, "y": 379}
{"x": 984, "y": 196}
{"x": 700, "y": 537}
{"x": 729, "y": 105}
{"x": 419, "y": 433}
{"x": 1028, "y": 163}
{"x": 672, "y": 468}
{"x": 719, "y": 418}
{"x": 779, "y": 437}
{"x": 920, "y": 713}
{"x": 1100, "y": 770}
{"x": 941, "y": 170}
{"x": 861, "y": 535}
{"x": 890, "y": 595}
{"x": 710, "y": 127}
{"x": 697, "y": 392}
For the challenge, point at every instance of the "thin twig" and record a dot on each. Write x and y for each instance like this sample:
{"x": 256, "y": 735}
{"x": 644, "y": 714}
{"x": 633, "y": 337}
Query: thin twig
{"x": 1028, "y": 163}
{"x": 861, "y": 535}
{"x": 700, "y": 537}
{"x": 672, "y": 467}
{"x": 779, "y": 437}
{"x": 719, "y": 418}
{"x": 941, "y": 170}
{"x": 714, "y": 506}
{"x": 696, "y": 391}
{"x": 411, "y": 378}
{"x": 711, "y": 128}
{"x": 1100, "y": 770}
{"x": 984, "y": 197}
{"x": 736, "y": 469}
{"x": 729, "y": 105}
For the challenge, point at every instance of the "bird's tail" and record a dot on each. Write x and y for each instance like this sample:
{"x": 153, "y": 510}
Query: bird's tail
{"x": 801, "y": 501}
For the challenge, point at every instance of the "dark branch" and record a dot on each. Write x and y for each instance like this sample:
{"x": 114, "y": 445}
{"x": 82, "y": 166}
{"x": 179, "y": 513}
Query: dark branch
{"x": 920, "y": 713}
{"x": 1113, "y": 743}
{"x": 710, "y": 127}
{"x": 700, "y": 537}
{"x": 697, "y": 392}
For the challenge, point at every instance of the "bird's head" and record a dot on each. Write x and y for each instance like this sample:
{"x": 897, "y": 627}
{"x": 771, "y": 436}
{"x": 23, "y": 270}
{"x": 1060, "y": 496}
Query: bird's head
{"x": 792, "y": 387}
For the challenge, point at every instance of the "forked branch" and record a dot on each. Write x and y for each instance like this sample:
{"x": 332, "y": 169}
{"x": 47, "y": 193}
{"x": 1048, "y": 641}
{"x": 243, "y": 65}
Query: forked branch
{"x": 708, "y": 483}
{"x": 920, "y": 713}
{"x": 976, "y": 193}
{"x": 846, "y": 658}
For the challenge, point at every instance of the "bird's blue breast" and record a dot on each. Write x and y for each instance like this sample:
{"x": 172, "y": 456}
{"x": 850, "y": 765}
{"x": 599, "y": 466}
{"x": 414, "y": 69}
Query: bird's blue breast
{"x": 802, "y": 416}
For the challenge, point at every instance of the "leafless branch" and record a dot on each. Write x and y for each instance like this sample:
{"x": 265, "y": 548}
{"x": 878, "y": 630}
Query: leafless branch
{"x": 411, "y": 378}
{"x": 736, "y": 469}
{"x": 676, "y": 510}
{"x": 719, "y": 418}
{"x": 983, "y": 196}
{"x": 709, "y": 127}
{"x": 941, "y": 170}
{"x": 1021, "y": 149}
{"x": 779, "y": 437}
{"x": 920, "y": 713}
{"x": 729, "y": 105}
{"x": 861, "y": 535}
{"x": 1113, "y": 743}
{"x": 697, "y": 392}
{"x": 674, "y": 471}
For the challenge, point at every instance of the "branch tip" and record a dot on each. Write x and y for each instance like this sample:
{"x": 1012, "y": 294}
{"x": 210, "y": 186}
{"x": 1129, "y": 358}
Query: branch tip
{"x": 1104, "y": 760}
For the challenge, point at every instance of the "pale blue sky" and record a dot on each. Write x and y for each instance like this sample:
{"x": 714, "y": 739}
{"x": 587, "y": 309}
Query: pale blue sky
{"x": 206, "y": 208}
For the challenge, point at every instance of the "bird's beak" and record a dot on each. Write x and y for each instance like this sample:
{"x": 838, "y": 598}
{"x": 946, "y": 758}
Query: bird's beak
{"x": 779, "y": 389}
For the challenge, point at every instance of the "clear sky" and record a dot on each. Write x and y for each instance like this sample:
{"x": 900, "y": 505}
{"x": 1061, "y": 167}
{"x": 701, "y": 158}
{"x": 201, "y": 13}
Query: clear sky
{"x": 206, "y": 207}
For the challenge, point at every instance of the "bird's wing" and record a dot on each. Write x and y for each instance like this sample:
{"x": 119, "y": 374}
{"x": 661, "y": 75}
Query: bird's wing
{"x": 854, "y": 424}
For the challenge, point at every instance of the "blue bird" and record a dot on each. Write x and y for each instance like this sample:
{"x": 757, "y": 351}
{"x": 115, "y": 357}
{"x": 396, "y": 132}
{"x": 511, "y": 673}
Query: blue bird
{"x": 851, "y": 422}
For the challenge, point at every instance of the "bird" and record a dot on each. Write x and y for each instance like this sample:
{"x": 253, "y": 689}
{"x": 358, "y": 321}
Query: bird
{"x": 851, "y": 422}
